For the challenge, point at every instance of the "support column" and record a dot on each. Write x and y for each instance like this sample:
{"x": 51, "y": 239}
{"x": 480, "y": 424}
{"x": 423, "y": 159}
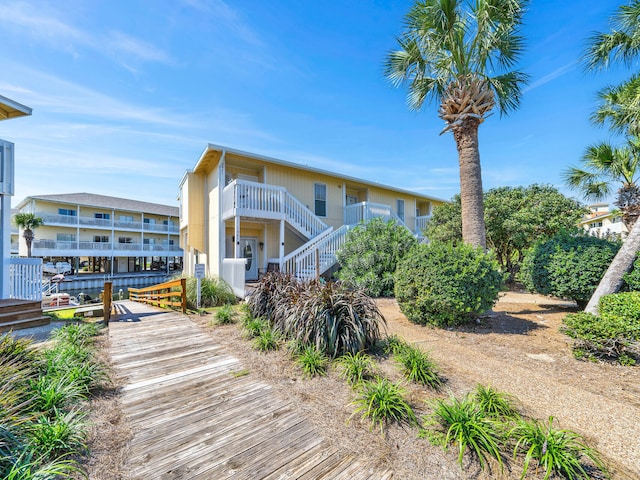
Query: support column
{"x": 5, "y": 243}
{"x": 281, "y": 246}
{"x": 236, "y": 237}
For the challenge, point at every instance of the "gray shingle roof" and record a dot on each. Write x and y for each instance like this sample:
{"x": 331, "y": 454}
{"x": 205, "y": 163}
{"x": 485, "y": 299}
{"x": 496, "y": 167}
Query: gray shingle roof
{"x": 104, "y": 201}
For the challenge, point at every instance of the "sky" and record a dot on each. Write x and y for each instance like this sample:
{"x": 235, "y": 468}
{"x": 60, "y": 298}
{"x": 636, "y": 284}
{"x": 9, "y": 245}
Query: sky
{"x": 127, "y": 94}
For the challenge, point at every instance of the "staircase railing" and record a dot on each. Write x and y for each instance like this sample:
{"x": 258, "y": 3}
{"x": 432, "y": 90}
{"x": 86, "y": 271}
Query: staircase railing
{"x": 49, "y": 287}
{"x": 317, "y": 256}
{"x": 259, "y": 200}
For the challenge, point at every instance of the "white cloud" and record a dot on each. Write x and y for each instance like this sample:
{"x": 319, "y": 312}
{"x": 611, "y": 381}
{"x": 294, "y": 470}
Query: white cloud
{"x": 558, "y": 72}
{"x": 121, "y": 42}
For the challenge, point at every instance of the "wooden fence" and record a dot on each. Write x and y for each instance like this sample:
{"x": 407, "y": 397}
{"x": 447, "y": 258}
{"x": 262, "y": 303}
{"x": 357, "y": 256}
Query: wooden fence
{"x": 168, "y": 294}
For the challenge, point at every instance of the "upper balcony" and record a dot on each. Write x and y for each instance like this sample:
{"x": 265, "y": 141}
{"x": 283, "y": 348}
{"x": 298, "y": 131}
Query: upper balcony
{"x": 48, "y": 248}
{"x": 106, "y": 223}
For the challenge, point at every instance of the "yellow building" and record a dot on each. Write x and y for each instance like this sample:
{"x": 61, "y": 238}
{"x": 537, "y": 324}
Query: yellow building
{"x": 278, "y": 214}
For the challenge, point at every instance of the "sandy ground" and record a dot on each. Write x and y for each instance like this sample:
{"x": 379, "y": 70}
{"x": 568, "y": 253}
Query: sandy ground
{"x": 517, "y": 348}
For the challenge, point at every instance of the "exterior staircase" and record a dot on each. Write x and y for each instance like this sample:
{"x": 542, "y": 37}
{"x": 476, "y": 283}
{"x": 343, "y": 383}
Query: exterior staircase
{"x": 19, "y": 314}
{"x": 258, "y": 200}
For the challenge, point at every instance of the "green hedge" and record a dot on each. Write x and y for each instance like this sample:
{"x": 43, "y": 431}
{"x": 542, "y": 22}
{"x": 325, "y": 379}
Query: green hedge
{"x": 567, "y": 266}
{"x": 444, "y": 284}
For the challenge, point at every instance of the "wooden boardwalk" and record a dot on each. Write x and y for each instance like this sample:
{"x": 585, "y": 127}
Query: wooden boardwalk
{"x": 195, "y": 415}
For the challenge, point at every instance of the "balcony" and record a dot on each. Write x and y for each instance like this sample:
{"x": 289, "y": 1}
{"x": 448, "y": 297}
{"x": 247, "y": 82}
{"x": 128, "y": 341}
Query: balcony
{"x": 102, "y": 223}
{"x": 48, "y": 248}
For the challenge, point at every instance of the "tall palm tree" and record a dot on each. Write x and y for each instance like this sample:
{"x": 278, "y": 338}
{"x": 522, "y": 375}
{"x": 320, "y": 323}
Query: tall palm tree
{"x": 460, "y": 54}
{"x": 620, "y": 107}
{"x": 28, "y": 222}
{"x": 605, "y": 166}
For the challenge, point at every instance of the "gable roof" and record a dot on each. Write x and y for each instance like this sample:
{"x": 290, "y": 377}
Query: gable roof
{"x": 104, "y": 201}
{"x": 212, "y": 148}
{"x": 12, "y": 109}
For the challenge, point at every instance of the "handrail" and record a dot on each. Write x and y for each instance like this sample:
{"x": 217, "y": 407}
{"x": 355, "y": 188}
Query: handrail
{"x": 253, "y": 199}
{"x": 317, "y": 257}
{"x": 161, "y": 294}
{"x": 309, "y": 245}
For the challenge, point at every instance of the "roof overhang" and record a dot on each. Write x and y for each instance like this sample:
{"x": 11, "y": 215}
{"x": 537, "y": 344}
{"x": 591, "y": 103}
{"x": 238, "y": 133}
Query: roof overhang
{"x": 10, "y": 109}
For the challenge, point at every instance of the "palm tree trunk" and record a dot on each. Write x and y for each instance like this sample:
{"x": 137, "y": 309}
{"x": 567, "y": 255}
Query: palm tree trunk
{"x": 472, "y": 202}
{"x": 622, "y": 263}
{"x": 28, "y": 238}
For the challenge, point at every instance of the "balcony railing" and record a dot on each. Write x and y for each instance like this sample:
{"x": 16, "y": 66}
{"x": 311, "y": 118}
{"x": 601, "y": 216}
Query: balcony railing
{"x": 258, "y": 200}
{"x": 421, "y": 223}
{"x": 365, "y": 211}
{"x": 39, "y": 246}
{"x": 69, "y": 220}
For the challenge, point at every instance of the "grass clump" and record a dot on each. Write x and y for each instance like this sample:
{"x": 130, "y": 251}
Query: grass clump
{"x": 355, "y": 368}
{"x": 253, "y": 327}
{"x": 225, "y": 315}
{"x": 417, "y": 366}
{"x": 556, "y": 451}
{"x": 381, "y": 402}
{"x": 312, "y": 361}
{"x": 495, "y": 404}
{"x": 214, "y": 292}
{"x": 267, "y": 340}
{"x": 468, "y": 428}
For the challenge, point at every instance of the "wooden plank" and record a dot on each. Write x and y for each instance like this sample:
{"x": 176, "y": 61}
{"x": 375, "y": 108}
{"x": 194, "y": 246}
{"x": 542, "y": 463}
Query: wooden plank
{"x": 192, "y": 418}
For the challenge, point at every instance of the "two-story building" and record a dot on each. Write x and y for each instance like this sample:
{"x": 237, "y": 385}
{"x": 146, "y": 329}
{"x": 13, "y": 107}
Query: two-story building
{"x": 98, "y": 233}
{"x": 278, "y": 214}
{"x": 603, "y": 222}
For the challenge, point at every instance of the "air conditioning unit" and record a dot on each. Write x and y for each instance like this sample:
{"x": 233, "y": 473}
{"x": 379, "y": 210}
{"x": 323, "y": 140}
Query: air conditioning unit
{"x": 6, "y": 168}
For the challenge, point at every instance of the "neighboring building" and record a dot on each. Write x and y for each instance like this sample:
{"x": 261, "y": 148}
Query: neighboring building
{"x": 98, "y": 233}
{"x": 280, "y": 215}
{"x": 15, "y": 236}
{"x": 600, "y": 222}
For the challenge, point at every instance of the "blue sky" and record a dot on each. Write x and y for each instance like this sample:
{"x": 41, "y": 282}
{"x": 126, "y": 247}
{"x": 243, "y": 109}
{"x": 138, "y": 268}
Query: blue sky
{"x": 126, "y": 94}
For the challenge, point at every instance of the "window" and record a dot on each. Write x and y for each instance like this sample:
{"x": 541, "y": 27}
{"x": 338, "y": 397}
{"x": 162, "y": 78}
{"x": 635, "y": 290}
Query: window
{"x": 320, "y": 195}
{"x": 400, "y": 209}
{"x": 126, "y": 218}
{"x": 67, "y": 212}
{"x": 149, "y": 241}
{"x": 104, "y": 216}
{"x": 125, "y": 240}
{"x": 150, "y": 221}
{"x": 596, "y": 224}
{"x": 66, "y": 237}
{"x": 101, "y": 239}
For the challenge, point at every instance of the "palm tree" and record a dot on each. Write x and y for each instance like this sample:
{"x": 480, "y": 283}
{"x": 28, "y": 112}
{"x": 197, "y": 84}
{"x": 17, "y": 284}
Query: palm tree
{"x": 460, "y": 54}
{"x": 606, "y": 166}
{"x": 28, "y": 222}
{"x": 620, "y": 106}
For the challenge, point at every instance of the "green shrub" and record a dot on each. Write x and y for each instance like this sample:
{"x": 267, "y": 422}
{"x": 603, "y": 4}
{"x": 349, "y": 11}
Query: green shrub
{"x": 444, "y": 284}
{"x": 556, "y": 451}
{"x": 355, "y": 368}
{"x": 418, "y": 367}
{"x": 267, "y": 340}
{"x": 613, "y": 335}
{"x": 58, "y": 434}
{"x": 468, "y": 427}
{"x": 370, "y": 255}
{"x": 214, "y": 292}
{"x": 632, "y": 278}
{"x": 312, "y": 361}
{"x": 382, "y": 402}
{"x": 255, "y": 326}
{"x": 567, "y": 266}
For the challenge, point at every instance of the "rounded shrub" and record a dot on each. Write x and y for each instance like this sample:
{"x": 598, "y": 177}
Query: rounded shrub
{"x": 214, "y": 292}
{"x": 370, "y": 255}
{"x": 567, "y": 266}
{"x": 444, "y": 284}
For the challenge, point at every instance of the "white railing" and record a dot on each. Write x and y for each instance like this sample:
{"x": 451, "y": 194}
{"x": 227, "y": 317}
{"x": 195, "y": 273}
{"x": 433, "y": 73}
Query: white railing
{"x": 258, "y": 200}
{"x": 49, "y": 287}
{"x": 421, "y": 224}
{"x": 53, "y": 219}
{"x": 365, "y": 211}
{"x": 316, "y": 256}
{"x": 25, "y": 278}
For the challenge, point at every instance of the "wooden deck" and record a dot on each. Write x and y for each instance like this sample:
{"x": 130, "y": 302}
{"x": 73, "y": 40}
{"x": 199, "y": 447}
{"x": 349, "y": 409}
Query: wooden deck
{"x": 193, "y": 418}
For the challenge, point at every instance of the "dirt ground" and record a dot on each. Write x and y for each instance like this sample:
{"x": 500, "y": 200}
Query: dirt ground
{"x": 516, "y": 348}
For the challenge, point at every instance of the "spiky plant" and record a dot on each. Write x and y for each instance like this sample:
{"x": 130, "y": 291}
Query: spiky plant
{"x": 394, "y": 344}
{"x": 55, "y": 391}
{"x": 267, "y": 340}
{"x": 556, "y": 451}
{"x": 382, "y": 402}
{"x": 224, "y": 315}
{"x": 468, "y": 428}
{"x": 255, "y": 326}
{"x": 59, "y": 434}
{"x": 312, "y": 361}
{"x": 495, "y": 404}
{"x": 355, "y": 368}
{"x": 418, "y": 367}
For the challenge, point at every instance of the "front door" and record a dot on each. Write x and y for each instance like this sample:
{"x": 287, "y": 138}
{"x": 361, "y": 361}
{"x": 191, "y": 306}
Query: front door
{"x": 248, "y": 251}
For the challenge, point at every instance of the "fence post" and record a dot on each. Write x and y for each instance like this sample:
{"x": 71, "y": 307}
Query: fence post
{"x": 106, "y": 301}
{"x": 183, "y": 287}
